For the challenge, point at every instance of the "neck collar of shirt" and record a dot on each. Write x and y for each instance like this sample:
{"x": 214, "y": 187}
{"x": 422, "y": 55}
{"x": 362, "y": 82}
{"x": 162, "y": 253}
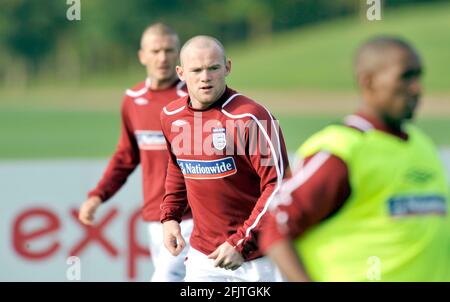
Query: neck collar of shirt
{"x": 148, "y": 84}
{"x": 379, "y": 125}
{"x": 222, "y": 99}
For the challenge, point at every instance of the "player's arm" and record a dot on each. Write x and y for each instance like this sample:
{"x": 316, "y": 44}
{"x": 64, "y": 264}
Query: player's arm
{"x": 173, "y": 207}
{"x": 285, "y": 256}
{"x": 300, "y": 204}
{"x": 121, "y": 165}
{"x": 270, "y": 164}
{"x": 231, "y": 254}
{"x": 174, "y": 203}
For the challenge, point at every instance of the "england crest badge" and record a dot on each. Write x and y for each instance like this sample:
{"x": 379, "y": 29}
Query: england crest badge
{"x": 219, "y": 138}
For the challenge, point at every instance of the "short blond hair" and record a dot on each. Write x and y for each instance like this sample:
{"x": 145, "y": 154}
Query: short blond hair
{"x": 203, "y": 41}
{"x": 160, "y": 29}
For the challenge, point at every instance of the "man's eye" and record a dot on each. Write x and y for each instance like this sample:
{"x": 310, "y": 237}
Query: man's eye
{"x": 412, "y": 73}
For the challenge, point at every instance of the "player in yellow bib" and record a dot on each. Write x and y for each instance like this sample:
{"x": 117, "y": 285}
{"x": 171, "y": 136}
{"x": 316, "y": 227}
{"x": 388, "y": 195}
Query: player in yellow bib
{"x": 370, "y": 200}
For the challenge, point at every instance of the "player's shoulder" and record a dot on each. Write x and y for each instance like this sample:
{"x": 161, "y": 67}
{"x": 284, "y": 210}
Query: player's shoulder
{"x": 181, "y": 89}
{"x": 138, "y": 90}
{"x": 134, "y": 96}
{"x": 174, "y": 107}
{"x": 241, "y": 105}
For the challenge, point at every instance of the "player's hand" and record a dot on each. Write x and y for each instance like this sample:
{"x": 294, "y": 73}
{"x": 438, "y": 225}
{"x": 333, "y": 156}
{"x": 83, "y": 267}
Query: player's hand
{"x": 227, "y": 257}
{"x": 87, "y": 210}
{"x": 173, "y": 240}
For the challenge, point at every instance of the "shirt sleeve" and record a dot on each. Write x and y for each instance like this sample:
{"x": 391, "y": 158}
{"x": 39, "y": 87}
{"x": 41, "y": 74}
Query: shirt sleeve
{"x": 122, "y": 163}
{"x": 175, "y": 202}
{"x": 317, "y": 190}
{"x": 270, "y": 161}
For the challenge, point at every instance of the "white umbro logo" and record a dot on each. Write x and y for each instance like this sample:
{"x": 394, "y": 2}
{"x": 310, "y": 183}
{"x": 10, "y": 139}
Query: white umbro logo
{"x": 179, "y": 123}
{"x": 141, "y": 101}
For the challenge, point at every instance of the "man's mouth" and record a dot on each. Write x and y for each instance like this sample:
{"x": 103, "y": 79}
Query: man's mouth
{"x": 206, "y": 88}
{"x": 413, "y": 101}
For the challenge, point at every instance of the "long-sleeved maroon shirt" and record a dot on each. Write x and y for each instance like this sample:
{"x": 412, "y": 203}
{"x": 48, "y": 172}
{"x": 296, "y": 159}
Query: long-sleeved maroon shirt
{"x": 141, "y": 141}
{"x": 225, "y": 161}
{"x": 323, "y": 192}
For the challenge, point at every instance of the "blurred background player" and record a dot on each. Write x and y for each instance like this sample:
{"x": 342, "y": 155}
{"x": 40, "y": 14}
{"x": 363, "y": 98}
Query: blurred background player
{"x": 141, "y": 141}
{"x": 370, "y": 200}
{"x": 227, "y": 187}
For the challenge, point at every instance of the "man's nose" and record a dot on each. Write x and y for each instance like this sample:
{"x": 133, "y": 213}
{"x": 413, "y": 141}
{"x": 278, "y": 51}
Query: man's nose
{"x": 205, "y": 76}
{"x": 415, "y": 86}
{"x": 162, "y": 56}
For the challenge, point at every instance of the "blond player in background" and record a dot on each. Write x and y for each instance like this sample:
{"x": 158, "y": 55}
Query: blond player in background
{"x": 142, "y": 142}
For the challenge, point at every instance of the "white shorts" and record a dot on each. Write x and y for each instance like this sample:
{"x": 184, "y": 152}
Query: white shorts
{"x": 168, "y": 268}
{"x": 199, "y": 268}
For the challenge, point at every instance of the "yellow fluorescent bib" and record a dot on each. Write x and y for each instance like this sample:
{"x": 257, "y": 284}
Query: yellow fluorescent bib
{"x": 394, "y": 226}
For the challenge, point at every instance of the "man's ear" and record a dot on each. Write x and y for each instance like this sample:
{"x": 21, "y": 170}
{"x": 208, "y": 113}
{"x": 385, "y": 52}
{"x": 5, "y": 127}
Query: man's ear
{"x": 180, "y": 72}
{"x": 227, "y": 67}
{"x": 141, "y": 57}
{"x": 365, "y": 80}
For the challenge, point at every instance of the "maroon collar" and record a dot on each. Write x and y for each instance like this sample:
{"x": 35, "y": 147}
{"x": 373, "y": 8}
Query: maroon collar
{"x": 223, "y": 98}
{"x": 363, "y": 122}
{"x": 147, "y": 84}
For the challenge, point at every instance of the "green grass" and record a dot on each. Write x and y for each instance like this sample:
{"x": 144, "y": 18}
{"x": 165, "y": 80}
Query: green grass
{"x": 320, "y": 57}
{"x": 66, "y": 119}
{"x": 57, "y": 134}
{"x": 63, "y": 134}
{"x": 317, "y": 57}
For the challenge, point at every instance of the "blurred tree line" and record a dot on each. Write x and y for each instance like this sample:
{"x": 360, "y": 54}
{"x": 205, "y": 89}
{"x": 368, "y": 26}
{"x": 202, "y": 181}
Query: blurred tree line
{"x": 37, "y": 39}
